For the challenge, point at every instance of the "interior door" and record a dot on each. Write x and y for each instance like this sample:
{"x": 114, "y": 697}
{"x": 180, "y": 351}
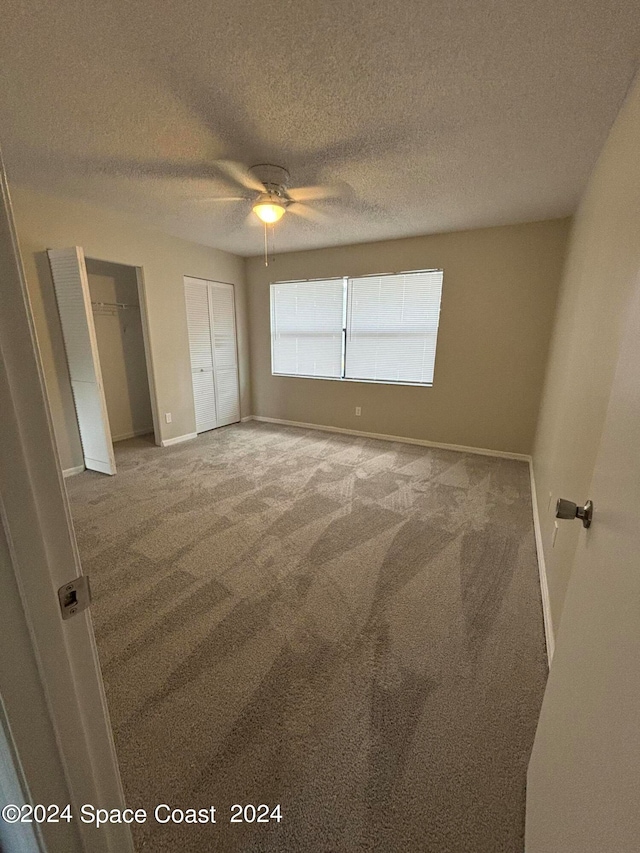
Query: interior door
{"x": 54, "y": 712}
{"x": 71, "y": 286}
{"x": 222, "y": 307}
{"x": 201, "y": 349}
{"x": 584, "y": 774}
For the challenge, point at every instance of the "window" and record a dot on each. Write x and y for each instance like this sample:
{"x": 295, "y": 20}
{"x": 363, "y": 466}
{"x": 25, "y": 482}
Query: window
{"x": 307, "y": 320}
{"x": 376, "y": 328}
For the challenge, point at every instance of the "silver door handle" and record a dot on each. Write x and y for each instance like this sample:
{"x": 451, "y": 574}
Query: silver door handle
{"x": 567, "y": 509}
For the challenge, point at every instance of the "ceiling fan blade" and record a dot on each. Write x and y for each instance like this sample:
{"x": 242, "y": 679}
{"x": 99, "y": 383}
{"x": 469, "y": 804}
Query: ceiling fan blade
{"x": 306, "y": 212}
{"x": 318, "y": 193}
{"x": 240, "y": 173}
{"x": 215, "y": 171}
{"x": 221, "y": 198}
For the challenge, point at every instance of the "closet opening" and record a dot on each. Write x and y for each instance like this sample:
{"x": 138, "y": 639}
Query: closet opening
{"x": 117, "y": 307}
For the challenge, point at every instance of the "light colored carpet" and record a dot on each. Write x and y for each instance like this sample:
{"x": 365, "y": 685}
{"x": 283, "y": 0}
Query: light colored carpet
{"x": 350, "y": 628}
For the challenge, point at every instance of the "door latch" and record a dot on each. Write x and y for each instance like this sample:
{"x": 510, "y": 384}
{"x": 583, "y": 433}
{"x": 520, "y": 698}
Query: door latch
{"x": 75, "y": 596}
{"x": 567, "y": 509}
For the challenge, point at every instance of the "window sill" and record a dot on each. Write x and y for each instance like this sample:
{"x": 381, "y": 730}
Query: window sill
{"x": 359, "y": 381}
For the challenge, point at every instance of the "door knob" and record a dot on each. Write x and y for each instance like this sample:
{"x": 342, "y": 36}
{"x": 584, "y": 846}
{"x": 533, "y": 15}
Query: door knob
{"x": 567, "y": 509}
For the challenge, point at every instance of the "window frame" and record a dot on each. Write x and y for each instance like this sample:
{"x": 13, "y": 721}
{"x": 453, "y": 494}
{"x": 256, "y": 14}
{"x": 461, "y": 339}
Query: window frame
{"x": 345, "y": 322}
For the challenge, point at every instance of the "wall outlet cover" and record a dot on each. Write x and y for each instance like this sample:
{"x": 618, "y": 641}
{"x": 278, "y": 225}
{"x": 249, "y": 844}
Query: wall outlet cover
{"x": 167, "y": 417}
{"x": 358, "y": 410}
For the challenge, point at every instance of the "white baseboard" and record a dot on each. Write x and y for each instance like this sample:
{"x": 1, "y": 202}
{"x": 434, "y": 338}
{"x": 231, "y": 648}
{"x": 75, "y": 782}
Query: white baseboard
{"x": 542, "y": 569}
{"x": 246, "y": 418}
{"x": 167, "y": 442}
{"x": 503, "y": 454}
{"x": 69, "y": 472}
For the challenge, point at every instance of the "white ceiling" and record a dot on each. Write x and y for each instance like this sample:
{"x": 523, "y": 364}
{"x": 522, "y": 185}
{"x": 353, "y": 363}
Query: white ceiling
{"x": 440, "y": 115}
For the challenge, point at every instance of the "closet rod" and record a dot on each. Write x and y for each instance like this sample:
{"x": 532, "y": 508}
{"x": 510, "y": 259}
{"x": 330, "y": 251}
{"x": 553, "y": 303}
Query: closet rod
{"x": 113, "y": 305}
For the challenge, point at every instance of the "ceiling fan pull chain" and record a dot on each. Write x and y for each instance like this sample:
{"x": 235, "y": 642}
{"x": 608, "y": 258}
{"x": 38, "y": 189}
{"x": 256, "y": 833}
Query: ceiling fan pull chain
{"x": 266, "y": 247}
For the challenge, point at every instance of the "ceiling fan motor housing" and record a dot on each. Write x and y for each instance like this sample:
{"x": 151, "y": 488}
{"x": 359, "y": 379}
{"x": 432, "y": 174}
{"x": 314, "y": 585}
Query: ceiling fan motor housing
{"x": 275, "y": 178}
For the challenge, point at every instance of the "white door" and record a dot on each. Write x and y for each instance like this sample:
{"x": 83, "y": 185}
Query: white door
{"x": 584, "y": 774}
{"x": 71, "y": 285}
{"x": 212, "y": 344}
{"x": 54, "y": 712}
{"x": 201, "y": 349}
{"x": 223, "y": 315}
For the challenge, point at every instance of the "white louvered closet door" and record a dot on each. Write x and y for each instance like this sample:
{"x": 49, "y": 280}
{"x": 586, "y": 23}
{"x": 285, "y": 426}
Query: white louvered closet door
{"x": 201, "y": 349}
{"x": 71, "y": 286}
{"x": 225, "y": 352}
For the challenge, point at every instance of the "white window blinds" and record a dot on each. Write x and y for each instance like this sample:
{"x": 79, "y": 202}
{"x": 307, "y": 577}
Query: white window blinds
{"x": 307, "y": 321}
{"x": 392, "y": 326}
{"x": 380, "y": 328}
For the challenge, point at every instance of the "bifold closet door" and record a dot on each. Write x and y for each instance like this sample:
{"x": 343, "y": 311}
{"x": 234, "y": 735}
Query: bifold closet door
{"x": 201, "y": 349}
{"x": 212, "y": 344}
{"x": 225, "y": 352}
{"x": 71, "y": 286}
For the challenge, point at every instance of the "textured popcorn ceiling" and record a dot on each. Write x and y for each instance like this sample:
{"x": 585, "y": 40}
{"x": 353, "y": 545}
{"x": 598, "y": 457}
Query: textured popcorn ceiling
{"x": 440, "y": 115}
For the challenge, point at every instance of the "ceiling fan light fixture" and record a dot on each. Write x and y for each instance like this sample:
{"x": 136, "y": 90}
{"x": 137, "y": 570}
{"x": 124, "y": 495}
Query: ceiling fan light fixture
{"x": 269, "y": 210}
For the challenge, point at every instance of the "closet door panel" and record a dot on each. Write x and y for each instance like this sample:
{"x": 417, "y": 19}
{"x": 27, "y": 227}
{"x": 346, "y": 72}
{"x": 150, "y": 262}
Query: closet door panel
{"x": 199, "y": 324}
{"x": 204, "y": 397}
{"x": 94, "y": 442}
{"x": 71, "y": 286}
{"x": 201, "y": 350}
{"x": 227, "y": 396}
{"x": 225, "y": 353}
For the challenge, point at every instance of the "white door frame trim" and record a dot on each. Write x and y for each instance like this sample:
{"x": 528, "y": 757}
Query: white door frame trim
{"x": 148, "y": 354}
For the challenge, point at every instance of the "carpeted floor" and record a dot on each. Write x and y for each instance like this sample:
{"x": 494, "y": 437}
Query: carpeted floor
{"x": 347, "y": 627}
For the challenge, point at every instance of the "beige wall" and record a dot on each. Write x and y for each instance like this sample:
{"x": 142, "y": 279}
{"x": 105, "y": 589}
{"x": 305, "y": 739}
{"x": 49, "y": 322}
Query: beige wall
{"x": 499, "y": 293}
{"x": 44, "y": 222}
{"x": 602, "y": 266}
{"x": 120, "y": 348}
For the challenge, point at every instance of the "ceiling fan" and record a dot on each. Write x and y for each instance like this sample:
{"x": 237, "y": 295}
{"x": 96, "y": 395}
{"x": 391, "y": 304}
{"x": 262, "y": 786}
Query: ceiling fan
{"x": 273, "y": 196}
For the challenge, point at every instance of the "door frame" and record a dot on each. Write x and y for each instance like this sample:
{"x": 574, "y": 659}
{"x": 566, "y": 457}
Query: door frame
{"x": 148, "y": 354}
{"x": 53, "y": 696}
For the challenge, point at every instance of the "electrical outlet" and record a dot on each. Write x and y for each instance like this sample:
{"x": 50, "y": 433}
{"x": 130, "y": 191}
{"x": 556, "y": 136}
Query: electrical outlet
{"x": 358, "y": 410}
{"x": 555, "y": 533}
{"x": 167, "y": 417}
